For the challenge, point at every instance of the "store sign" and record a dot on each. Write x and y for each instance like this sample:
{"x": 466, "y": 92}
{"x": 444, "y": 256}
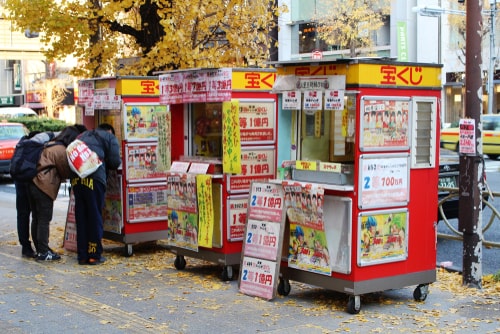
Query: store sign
{"x": 334, "y": 99}
{"x": 313, "y": 101}
{"x": 6, "y": 100}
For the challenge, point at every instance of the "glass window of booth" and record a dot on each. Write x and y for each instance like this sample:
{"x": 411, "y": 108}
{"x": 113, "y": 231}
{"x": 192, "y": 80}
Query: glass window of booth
{"x": 328, "y": 135}
{"x": 206, "y": 124}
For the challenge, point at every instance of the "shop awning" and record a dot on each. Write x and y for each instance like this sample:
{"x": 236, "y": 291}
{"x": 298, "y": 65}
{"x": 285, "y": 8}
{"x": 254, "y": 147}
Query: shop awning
{"x": 284, "y": 83}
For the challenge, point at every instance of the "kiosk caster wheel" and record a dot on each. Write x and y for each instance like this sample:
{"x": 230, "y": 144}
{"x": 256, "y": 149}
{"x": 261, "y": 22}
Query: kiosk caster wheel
{"x": 129, "y": 250}
{"x": 354, "y": 304}
{"x": 179, "y": 262}
{"x": 420, "y": 293}
{"x": 284, "y": 287}
{"x": 227, "y": 273}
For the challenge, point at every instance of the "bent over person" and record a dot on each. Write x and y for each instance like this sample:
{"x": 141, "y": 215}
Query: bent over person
{"x": 89, "y": 194}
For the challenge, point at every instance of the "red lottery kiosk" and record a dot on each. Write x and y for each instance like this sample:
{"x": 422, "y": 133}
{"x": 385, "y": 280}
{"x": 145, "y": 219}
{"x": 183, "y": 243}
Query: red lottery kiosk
{"x": 358, "y": 140}
{"x": 223, "y": 137}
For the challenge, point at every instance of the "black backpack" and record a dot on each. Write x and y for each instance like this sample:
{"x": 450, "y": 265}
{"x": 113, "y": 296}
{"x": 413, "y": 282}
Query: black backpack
{"x": 25, "y": 159}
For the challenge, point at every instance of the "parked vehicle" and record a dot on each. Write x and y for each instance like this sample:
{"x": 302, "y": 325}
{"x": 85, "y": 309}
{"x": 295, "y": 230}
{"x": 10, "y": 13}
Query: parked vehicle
{"x": 491, "y": 136}
{"x": 10, "y": 133}
{"x": 448, "y": 178}
{"x": 15, "y": 112}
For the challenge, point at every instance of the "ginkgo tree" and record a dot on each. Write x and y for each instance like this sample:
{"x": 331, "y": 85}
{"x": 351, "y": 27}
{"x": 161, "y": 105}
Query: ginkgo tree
{"x": 350, "y": 24}
{"x": 159, "y": 34}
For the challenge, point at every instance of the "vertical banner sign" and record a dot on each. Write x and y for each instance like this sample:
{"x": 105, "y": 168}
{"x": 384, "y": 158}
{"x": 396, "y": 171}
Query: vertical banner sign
{"x": 231, "y": 142}
{"x": 402, "y": 40}
{"x": 205, "y": 210}
{"x": 467, "y": 135}
{"x": 164, "y": 148}
{"x": 263, "y": 240}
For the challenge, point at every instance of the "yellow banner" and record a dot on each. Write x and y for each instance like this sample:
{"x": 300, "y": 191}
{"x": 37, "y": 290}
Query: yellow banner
{"x": 253, "y": 80}
{"x": 376, "y": 74}
{"x": 145, "y": 86}
{"x": 231, "y": 142}
{"x": 205, "y": 210}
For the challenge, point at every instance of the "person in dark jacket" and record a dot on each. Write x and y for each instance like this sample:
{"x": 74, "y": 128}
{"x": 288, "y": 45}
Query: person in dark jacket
{"x": 89, "y": 194}
{"x": 52, "y": 168}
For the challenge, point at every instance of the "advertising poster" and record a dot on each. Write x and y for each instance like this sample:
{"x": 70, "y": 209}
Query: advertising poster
{"x": 257, "y": 121}
{"x": 334, "y": 99}
{"x": 262, "y": 239}
{"x": 205, "y": 211}
{"x": 308, "y": 248}
{"x": 313, "y": 101}
{"x": 112, "y": 214}
{"x": 231, "y": 142}
{"x": 69, "y": 242}
{"x": 146, "y": 202}
{"x": 258, "y": 277}
{"x": 383, "y": 237}
{"x": 237, "y": 217}
{"x": 467, "y": 136}
{"x": 257, "y": 164}
{"x": 385, "y": 124}
{"x": 142, "y": 163}
{"x": 384, "y": 180}
{"x": 182, "y": 230}
{"x": 142, "y": 121}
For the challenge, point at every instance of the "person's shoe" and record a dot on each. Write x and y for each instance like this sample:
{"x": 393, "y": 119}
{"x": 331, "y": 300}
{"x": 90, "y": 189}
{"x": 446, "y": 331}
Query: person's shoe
{"x": 94, "y": 262}
{"x": 29, "y": 253}
{"x": 83, "y": 262}
{"x": 49, "y": 256}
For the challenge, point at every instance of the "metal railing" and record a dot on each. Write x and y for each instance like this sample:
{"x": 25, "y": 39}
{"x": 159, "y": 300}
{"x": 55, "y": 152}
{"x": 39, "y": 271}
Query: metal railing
{"x": 457, "y": 235}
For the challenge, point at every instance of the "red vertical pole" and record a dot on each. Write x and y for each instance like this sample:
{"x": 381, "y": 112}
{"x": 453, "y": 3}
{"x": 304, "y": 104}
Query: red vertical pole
{"x": 470, "y": 208}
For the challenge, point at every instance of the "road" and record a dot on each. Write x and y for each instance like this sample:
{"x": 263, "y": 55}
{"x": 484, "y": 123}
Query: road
{"x": 448, "y": 251}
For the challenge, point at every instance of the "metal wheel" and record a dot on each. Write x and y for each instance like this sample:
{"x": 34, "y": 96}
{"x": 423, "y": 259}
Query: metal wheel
{"x": 354, "y": 304}
{"x": 420, "y": 293}
{"x": 227, "y": 273}
{"x": 129, "y": 250}
{"x": 179, "y": 262}
{"x": 284, "y": 287}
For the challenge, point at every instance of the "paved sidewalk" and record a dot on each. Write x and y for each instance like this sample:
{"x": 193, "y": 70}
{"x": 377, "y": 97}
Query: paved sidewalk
{"x": 146, "y": 294}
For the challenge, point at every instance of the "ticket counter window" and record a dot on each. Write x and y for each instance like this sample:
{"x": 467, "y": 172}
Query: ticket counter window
{"x": 328, "y": 135}
{"x": 207, "y": 129}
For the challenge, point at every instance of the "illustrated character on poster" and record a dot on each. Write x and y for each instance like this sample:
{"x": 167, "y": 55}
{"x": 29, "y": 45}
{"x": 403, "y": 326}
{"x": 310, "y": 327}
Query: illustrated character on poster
{"x": 368, "y": 234}
{"x": 133, "y": 121}
{"x": 321, "y": 256}
{"x": 303, "y": 248}
{"x": 153, "y": 161}
{"x": 154, "y": 122}
{"x": 172, "y": 226}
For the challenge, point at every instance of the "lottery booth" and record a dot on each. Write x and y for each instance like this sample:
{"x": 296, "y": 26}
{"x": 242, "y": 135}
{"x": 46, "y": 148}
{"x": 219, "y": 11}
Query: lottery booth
{"x": 136, "y": 195}
{"x": 358, "y": 161}
{"x": 223, "y": 137}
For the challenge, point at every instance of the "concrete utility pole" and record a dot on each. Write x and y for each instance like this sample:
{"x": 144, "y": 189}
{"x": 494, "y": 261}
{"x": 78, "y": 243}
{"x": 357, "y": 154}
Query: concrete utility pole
{"x": 471, "y": 167}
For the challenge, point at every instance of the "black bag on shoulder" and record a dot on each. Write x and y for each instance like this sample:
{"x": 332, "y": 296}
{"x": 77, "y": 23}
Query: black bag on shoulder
{"x": 23, "y": 166}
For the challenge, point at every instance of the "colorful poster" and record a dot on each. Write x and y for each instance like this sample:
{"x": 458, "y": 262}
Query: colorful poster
{"x": 257, "y": 121}
{"x": 142, "y": 163}
{"x": 231, "y": 142}
{"x": 308, "y": 248}
{"x": 384, "y": 180}
{"x": 182, "y": 209}
{"x": 171, "y": 88}
{"x": 257, "y": 164}
{"x": 112, "y": 213}
{"x": 205, "y": 211}
{"x": 142, "y": 121}
{"x": 146, "y": 202}
{"x": 383, "y": 237}
{"x": 467, "y": 135}
{"x": 385, "y": 124}
{"x": 237, "y": 217}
